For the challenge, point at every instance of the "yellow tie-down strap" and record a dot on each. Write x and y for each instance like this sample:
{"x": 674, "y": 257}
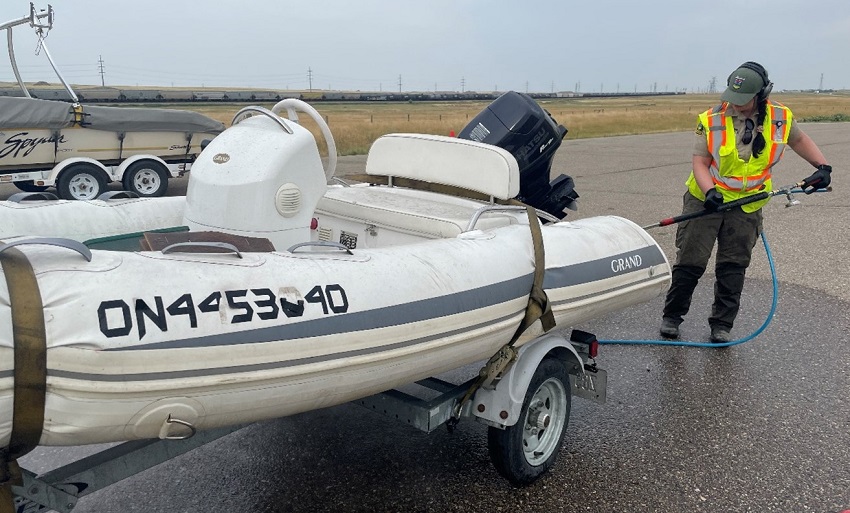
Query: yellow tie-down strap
{"x": 30, "y": 376}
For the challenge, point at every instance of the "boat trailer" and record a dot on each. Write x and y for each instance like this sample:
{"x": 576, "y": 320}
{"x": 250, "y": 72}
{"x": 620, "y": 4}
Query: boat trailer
{"x": 523, "y": 405}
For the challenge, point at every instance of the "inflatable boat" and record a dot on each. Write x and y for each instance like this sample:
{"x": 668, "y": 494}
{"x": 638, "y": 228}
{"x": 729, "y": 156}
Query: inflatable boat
{"x": 284, "y": 294}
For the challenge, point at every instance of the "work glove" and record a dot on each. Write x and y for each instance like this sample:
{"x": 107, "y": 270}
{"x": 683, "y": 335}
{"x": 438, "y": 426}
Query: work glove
{"x": 713, "y": 200}
{"x": 819, "y": 180}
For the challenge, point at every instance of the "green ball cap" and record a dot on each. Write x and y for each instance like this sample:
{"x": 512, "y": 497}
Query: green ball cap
{"x": 744, "y": 84}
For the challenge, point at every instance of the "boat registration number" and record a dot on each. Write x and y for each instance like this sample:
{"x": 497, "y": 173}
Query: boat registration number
{"x": 590, "y": 385}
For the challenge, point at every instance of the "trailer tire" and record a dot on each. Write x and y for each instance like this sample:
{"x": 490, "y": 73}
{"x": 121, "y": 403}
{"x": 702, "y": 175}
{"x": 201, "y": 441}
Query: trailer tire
{"x": 522, "y": 453}
{"x": 81, "y": 182}
{"x": 147, "y": 178}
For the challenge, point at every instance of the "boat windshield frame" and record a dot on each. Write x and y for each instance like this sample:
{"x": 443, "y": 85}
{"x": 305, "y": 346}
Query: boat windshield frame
{"x": 41, "y": 21}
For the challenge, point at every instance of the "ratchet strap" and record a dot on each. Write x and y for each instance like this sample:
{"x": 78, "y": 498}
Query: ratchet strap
{"x": 538, "y": 307}
{"x": 30, "y": 374}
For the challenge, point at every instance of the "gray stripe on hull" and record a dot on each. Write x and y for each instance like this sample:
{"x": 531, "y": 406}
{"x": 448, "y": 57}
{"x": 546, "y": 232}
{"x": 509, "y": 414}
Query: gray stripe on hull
{"x": 304, "y": 361}
{"x": 7, "y": 374}
{"x": 595, "y": 270}
{"x": 483, "y": 297}
{"x": 417, "y": 311}
{"x": 406, "y": 313}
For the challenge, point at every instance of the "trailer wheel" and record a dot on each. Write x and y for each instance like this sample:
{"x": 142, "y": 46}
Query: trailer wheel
{"x": 29, "y": 186}
{"x": 525, "y": 451}
{"x": 147, "y": 178}
{"x": 81, "y": 182}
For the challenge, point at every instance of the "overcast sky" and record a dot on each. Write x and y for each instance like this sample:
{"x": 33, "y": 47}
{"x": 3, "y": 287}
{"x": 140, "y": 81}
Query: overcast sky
{"x": 533, "y": 45}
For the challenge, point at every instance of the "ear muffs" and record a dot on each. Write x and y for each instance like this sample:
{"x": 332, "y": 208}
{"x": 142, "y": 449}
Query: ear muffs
{"x": 758, "y": 68}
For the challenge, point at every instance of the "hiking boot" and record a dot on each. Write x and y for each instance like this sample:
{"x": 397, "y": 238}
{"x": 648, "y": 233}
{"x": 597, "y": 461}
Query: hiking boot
{"x": 720, "y": 335}
{"x": 669, "y": 329}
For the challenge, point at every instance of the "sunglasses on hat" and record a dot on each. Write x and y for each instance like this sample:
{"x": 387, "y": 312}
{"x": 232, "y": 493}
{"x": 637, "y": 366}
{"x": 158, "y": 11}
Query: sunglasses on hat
{"x": 749, "y": 125}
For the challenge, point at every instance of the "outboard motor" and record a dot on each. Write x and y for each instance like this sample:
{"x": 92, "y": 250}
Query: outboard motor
{"x": 516, "y": 123}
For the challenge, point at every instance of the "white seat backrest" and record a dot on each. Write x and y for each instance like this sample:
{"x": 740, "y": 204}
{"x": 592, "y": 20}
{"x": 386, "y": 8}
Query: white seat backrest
{"x": 444, "y": 160}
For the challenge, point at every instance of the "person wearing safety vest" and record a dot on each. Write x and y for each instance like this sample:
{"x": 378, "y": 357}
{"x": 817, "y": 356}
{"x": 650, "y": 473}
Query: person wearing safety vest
{"x": 737, "y": 144}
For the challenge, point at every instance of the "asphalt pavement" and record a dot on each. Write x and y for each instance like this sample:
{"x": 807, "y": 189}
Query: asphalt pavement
{"x": 763, "y": 426}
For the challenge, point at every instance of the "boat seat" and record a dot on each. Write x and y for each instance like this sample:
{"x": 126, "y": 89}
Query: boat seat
{"x": 470, "y": 165}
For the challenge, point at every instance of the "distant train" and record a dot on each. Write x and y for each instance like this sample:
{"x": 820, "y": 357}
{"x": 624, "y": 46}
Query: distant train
{"x": 116, "y": 95}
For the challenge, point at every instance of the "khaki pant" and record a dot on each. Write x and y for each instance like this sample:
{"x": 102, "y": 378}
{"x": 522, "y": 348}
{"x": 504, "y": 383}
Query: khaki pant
{"x": 736, "y": 233}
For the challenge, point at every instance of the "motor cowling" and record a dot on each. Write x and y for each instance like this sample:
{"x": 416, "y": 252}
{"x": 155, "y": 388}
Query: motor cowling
{"x": 517, "y": 123}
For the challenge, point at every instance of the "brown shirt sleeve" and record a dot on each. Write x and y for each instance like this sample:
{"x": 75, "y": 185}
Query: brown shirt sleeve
{"x": 700, "y": 142}
{"x": 794, "y": 132}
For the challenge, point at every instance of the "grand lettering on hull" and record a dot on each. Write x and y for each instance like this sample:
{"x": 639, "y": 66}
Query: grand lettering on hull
{"x": 619, "y": 265}
{"x": 119, "y": 318}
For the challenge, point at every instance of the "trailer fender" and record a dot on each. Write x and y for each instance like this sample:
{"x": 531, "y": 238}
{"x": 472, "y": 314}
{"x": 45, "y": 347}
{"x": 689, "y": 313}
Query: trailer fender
{"x": 58, "y": 168}
{"x": 119, "y": 172}
{"x": 501, "y": 405}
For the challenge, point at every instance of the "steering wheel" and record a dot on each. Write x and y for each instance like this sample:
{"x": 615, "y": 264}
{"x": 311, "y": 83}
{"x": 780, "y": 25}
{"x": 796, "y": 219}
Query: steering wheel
{"x": 293, "y": 105}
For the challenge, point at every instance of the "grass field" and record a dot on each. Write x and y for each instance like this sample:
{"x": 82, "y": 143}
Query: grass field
{"x": 356, "y": 125}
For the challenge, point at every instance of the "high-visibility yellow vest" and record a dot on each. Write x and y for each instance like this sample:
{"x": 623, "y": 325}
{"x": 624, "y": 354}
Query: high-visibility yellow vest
{"x": 733, "y": 177}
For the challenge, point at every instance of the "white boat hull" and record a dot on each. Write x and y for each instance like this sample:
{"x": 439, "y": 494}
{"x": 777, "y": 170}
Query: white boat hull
{"x": 87, "y": 220}
{"x": 141, "y": 336}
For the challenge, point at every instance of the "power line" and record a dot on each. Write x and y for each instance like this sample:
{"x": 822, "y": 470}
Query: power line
{"x": 100, "y": 64}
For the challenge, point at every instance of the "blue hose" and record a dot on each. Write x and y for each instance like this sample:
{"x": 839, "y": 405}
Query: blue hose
{"x": 724, "y": 344}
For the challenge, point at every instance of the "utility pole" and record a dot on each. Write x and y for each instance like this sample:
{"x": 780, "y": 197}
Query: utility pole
{"x": 526, "y": 87}
{"x": 821, "y": 82}
{"x": 462, "y": 84}
{"x": 399, "y": 83}
{"x": 310, "y": 78}
{"x": 103, "y": 82}
{"x": 712, "y": 86}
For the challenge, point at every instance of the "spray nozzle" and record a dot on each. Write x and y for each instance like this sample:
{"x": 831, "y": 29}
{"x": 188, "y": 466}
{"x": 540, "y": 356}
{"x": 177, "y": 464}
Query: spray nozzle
{"x": 791, "y": 201}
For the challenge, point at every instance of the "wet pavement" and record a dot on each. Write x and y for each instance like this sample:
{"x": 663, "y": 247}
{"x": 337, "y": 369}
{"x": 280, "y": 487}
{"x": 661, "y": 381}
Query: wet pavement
{"x": 763, "y": 426}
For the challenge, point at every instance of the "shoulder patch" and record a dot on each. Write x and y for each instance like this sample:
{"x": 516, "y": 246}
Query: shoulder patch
{"x": 700, "y": 129}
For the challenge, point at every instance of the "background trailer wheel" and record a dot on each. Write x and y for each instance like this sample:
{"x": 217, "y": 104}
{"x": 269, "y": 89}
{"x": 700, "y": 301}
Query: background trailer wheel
{"x": 147, "y": 178}
{"x": 525, "y": 451}
{"x": 81, "y": 182}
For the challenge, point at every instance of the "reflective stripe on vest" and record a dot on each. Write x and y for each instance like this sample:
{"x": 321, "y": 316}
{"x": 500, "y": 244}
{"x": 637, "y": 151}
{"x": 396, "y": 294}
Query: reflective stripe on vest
{"x": 775, "y": 141}
{"x": 779, "y": 129}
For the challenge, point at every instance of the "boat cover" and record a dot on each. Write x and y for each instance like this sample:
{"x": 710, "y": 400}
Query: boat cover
{"x": 34, "y": 113}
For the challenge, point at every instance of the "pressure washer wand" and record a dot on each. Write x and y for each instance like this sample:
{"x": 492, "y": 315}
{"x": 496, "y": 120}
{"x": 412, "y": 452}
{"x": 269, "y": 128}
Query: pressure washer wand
{"x": 732, "y": 204}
